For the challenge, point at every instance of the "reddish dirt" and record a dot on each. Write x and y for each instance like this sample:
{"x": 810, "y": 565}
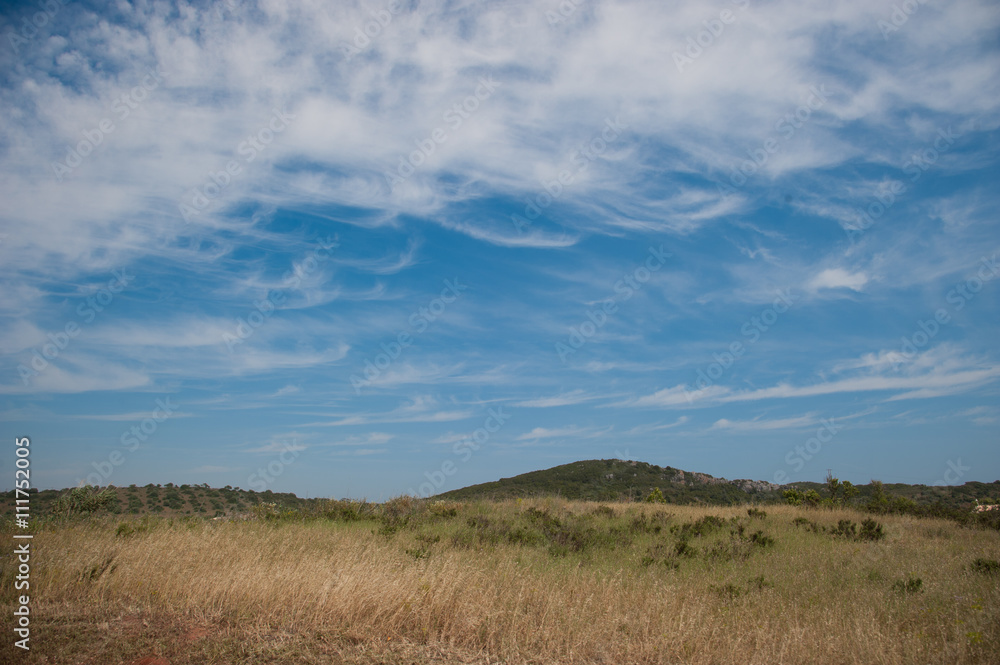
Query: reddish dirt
{"x": 196, "y": 633}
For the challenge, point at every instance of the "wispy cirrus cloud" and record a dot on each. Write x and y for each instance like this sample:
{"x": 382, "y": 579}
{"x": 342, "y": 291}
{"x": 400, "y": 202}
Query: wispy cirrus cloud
{"x": 576, "y": 128}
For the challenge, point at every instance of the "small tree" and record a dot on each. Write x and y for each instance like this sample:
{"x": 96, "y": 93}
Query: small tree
{"x": 879, "y": 501}
{"x": 832, "y": 486}
{"x": 656, "y": 496}
{"x": 793, "y": 497}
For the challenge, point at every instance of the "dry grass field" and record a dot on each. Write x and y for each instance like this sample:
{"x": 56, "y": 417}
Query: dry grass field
{"x": 532, "y": 581}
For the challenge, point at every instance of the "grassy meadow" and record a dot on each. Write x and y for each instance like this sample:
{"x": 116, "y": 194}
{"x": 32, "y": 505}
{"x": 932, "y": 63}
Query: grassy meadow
{"x": 519, "y": 581}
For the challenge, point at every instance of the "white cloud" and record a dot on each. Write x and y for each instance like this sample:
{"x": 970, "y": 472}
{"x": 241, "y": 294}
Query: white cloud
{"x": 561, "y": 432}
{"x": 836, "y": 278}
{"x": 287, "y": 390}
{"x": 758, "y": 424}
{"x": 369, "y": 439}
{"x": 679, "y": 395}
{"x": 572, "y": 397}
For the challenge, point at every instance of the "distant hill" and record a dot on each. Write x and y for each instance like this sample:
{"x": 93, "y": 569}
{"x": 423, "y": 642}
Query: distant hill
{"x": 594, "y": 480}
{"x": 168, "y": 500}
{"x": 615, "y": 480}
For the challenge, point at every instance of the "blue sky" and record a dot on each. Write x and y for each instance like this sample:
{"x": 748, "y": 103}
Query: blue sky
{"x": 361, "y": 250}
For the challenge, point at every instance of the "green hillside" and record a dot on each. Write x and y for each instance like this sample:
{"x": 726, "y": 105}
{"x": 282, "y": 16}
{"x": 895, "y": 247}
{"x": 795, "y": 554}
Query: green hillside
{"x": 616, "y": 480}
{"x": 167, "y": 500}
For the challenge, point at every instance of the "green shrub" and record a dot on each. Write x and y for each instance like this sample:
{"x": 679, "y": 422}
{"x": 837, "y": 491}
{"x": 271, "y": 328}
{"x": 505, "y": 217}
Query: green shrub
{"x": 846, "y": 528}
{"x": 909, "y": 584}
{"x": 986, "y": 566}
{"x": 660, "y": 554}
{"x": 266, "y": 511}
{"x": 443, "y": 509}
{"x": 701, "y": 527}
{"x": 871, "y": 530}
{"x": 345, "y": 510}
{"x": 653, "y": 524}
{"x": 756, "y": 513}
{"x": 793, "y": 497}
{"x": 82, "y": 500}
{"x": 683, "y": 548}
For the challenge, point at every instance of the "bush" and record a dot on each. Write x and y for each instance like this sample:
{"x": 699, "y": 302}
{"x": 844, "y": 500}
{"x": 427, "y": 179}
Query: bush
{"x": 908, "y": 585}
{"x": 846, "y": 528}
{"x": 793, "y": 497}
{"x": 702, "y": 527}
{"x": 444, "y": 509}
{"x": 986, "y": 566}
{"x": 345, "y": 510}
{"x": 82, "y": 500}
{"x": 871, "y": 530}
{"x": 683, "y": 548}
{"x": 755, "y": 513}
{"x": 644, "y": 524}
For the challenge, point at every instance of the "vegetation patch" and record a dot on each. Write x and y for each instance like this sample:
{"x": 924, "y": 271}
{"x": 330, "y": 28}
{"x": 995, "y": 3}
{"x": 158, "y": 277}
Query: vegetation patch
{"x": 909, "y": 584}
{"x": 986, "y": 566}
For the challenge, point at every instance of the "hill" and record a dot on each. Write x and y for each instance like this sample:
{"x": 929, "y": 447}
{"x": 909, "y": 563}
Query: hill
{"x": 616, "y": 480}
{"x": 168, "y": 500}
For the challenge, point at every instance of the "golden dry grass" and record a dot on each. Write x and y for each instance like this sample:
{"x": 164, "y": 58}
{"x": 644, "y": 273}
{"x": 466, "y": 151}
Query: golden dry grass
{"x": 321, "y": 592}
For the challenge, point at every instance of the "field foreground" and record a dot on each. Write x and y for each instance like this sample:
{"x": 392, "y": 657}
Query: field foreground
{"x": 532, "y": 581}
